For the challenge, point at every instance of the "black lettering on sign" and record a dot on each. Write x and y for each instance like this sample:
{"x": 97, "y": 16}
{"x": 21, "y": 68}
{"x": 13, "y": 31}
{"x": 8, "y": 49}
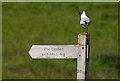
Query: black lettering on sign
{"x": 53, "y": 54}
{"x": 46, "y": 49}
{"x": 56, "y": 49}
{"x": 62, "y": 54}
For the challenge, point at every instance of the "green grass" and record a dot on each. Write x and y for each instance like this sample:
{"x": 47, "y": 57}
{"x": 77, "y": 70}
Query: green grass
{"x": 25, "y": 24}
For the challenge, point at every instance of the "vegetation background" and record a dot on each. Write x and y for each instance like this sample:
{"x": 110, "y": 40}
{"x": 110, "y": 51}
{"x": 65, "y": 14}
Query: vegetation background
{"x": 25, "y": 24}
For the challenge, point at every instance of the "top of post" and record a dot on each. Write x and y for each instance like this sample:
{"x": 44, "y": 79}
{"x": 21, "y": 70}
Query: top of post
{"x": 82, "y": 38}
{"x": 83, "y": 33}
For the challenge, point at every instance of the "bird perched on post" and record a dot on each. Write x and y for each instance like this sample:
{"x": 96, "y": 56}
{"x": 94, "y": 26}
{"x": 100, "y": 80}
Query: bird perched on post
{"x": 85, "y": 21}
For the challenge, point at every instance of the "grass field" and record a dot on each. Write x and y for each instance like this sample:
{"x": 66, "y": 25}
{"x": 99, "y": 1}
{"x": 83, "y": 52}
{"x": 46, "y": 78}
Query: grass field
{"x": 25, "y": 24}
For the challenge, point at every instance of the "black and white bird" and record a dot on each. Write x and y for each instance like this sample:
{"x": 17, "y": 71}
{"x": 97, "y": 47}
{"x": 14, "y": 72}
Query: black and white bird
{"x": 85, "y": 21}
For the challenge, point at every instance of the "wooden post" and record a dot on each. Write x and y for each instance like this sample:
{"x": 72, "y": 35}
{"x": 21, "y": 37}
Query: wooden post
{"x": 81, "y": 62}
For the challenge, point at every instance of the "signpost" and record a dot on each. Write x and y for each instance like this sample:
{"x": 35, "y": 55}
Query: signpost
{"x": 79, "y": 52}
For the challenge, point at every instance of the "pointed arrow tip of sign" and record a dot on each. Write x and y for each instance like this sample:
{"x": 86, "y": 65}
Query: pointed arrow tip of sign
{"x": 30, "y": 53}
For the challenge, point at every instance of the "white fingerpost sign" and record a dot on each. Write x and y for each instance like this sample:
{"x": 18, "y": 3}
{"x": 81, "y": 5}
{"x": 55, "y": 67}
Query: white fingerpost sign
{"x": 79, "y": 52}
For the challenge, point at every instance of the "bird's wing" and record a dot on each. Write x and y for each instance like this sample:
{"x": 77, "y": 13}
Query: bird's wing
{"x": 82, "y": 22}
{"x": 85, "y": 19}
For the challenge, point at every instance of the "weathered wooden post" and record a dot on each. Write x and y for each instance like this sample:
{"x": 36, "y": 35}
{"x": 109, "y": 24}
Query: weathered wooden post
{"x": 81, "y": 61}
{"x": 79, "y": 52}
